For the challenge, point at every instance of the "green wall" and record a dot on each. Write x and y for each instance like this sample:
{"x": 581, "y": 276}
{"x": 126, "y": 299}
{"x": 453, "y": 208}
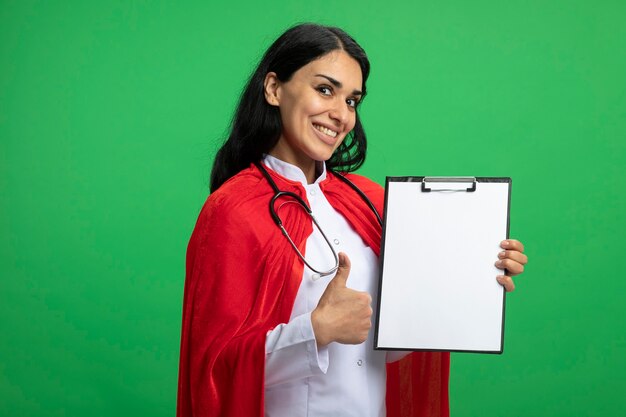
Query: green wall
{"x": 110, "y": 114}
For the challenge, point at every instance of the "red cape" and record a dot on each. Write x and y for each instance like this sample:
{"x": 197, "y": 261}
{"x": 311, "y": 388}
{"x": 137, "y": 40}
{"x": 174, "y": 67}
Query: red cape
{"x": 242, "y": 280}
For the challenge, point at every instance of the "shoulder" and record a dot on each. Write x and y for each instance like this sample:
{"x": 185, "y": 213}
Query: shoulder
{"x": 238, "y": 191}
{"x": 372, "y": 190}
{"x": 235, "y": 205}
{"x": 369, "y": 187}
{"x": 364, "y": 182}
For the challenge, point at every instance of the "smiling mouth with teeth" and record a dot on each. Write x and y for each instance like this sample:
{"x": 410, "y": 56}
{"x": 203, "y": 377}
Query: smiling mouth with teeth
{"x": 326, "y": 131}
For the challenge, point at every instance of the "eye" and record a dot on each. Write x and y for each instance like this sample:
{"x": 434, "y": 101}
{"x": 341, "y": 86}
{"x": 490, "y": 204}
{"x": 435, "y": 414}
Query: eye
{"x": 325, "y": 90}
{"x": 352, "y": 102}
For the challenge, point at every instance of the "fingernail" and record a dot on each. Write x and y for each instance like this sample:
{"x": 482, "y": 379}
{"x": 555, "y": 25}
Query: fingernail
{"x": 499, "y": 264}
{"x": 500, "y": 277}
{"x": 501, "y": 254}
{"x": 505, "y": 243}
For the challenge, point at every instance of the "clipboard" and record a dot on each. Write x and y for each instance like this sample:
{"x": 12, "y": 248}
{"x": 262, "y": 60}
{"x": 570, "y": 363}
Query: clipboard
{"x": 438, "y": 288}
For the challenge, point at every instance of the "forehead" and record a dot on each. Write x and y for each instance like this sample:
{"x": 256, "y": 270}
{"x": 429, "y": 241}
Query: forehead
{"x": 338, "y": 65}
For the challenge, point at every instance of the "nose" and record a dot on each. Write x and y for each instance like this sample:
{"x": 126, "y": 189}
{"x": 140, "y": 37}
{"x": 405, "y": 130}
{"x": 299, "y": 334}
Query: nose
{"x": 339, "y": 112}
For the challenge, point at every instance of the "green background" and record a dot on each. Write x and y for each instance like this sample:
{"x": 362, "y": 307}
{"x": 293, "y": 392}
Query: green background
{"x": 111, "y": 112}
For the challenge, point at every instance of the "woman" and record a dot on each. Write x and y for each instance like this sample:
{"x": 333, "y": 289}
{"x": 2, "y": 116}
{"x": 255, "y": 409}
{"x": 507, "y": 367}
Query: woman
{"x": 274, "y": 321}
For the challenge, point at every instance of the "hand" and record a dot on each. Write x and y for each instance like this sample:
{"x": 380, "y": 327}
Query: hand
{"x": 512, "y": 259}
{"x": 342, "y": 315}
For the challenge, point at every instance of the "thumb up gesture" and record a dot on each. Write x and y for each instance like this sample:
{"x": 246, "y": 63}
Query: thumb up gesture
{"x": 342, "y": 315}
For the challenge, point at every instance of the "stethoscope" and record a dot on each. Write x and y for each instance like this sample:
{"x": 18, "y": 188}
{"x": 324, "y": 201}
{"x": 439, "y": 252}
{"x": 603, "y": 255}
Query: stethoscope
{"x": 278, "y": 193}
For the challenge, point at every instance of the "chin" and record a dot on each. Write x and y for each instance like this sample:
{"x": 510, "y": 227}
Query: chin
{"x": 322, "y": 156}
{"x": 327, "y": 153}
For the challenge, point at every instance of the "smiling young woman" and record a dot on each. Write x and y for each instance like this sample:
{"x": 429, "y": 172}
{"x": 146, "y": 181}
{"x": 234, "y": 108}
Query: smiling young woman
{"x": 278, "y": 304}
{"x": 258, "y": 125}
{"x": 317, "y": 109}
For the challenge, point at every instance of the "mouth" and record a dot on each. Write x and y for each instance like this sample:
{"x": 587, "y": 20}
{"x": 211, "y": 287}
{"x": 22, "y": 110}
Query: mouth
{"x": 326, "y": 131}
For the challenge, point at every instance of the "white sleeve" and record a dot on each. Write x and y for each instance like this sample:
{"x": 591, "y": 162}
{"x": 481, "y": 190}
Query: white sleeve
{"x": 291, "y": 352}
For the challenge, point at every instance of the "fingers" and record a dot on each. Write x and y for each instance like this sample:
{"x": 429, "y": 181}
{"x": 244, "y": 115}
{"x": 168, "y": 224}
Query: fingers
{"x": 516, "y": 256}
{"x": 512, "y": 244}
{"x": 341, "y": 277}
{"x": 512, "y": 258}
{"x": 506, "y": 282}
{"x": 344, "y": 261}
{"x": 366, "y": 299}
{"x": 512, "y": 267}
{"x": 359, "y": 323}
{"x": 343, "y": 314}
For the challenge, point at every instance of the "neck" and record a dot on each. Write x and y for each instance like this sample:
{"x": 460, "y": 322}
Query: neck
{"x": 310, "y": 173}
{"x": 308, "y": 166}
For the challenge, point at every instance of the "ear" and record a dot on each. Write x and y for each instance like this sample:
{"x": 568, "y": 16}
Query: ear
{"x": 271, "y": 87}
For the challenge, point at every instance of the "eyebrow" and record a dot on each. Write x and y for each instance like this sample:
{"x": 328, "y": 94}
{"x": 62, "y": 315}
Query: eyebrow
{"x": 338, "y": 84}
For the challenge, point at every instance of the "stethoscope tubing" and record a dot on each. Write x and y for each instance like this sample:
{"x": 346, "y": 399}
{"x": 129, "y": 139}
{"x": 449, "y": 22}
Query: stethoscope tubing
{"x": 278, "y": 193}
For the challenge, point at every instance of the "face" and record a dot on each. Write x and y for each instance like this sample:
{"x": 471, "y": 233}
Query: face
{"x": 317, "y": 107}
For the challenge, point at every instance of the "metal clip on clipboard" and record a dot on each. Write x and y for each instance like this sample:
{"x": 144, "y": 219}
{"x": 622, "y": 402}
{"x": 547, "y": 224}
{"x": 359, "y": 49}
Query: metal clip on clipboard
{"x": 449, "y": 180}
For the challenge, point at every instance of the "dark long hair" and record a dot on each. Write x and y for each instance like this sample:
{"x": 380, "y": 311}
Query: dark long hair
{"x": 256, "y": 125}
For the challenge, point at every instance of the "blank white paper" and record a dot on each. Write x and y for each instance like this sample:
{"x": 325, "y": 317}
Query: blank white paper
{"x": 438, "y": 287}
